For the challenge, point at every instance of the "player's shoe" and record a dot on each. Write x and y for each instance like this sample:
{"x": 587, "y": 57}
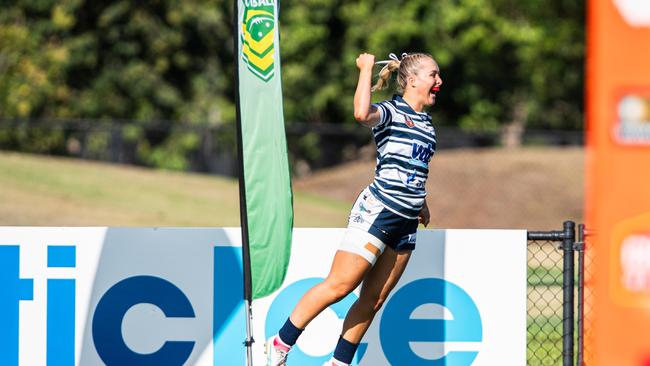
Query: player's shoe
{"x": 276, "y": 351}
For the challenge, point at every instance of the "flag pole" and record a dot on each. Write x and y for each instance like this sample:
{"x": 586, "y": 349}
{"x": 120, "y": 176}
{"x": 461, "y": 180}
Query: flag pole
{"x": 243, "y": 214}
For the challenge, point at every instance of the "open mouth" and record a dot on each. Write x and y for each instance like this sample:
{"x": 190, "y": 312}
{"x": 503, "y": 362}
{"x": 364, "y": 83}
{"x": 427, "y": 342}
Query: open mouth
{"x": 434, "y": 90}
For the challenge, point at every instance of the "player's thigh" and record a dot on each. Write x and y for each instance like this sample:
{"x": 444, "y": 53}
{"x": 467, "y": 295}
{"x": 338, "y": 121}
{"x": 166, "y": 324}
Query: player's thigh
{"x": 383, "y": 277}
{"x": 347, "y": 271}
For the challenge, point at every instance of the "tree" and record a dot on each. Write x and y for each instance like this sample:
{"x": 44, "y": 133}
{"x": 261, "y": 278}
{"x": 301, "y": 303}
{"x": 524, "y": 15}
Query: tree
{"x": 504, "y": 63}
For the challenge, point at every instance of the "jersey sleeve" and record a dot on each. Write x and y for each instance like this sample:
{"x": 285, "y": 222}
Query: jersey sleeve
{"x": 385, "y": 114}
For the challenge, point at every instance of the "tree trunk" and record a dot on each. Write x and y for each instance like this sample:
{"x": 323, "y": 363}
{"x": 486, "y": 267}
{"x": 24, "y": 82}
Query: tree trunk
{"x": 512, "y": 133}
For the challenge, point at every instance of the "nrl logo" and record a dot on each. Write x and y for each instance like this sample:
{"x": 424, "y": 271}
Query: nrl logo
{"x": 258, "y": 32}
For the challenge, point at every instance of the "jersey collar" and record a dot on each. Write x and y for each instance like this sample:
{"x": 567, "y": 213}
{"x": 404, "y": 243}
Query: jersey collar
{"x": 405, "y": 107}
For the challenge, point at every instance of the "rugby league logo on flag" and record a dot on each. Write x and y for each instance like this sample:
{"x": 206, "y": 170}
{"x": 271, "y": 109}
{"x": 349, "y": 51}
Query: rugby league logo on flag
{"x": 258, "y": 33}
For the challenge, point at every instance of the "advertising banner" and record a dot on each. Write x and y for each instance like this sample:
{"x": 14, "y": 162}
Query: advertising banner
{"x": 113, "y": 296}
{"x": 618, "y": 181}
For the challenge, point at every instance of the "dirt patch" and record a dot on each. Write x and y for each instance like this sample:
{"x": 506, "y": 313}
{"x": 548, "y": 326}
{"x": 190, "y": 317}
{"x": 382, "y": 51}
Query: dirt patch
{"x": 527, "y": 188}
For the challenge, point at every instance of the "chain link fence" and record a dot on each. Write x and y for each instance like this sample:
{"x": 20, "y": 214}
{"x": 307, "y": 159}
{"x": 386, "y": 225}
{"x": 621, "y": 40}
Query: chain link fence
{"x": 558, "y": 303}
{"x": 544, "y": 305}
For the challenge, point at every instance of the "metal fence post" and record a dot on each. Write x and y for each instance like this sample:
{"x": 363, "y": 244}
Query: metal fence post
{"x": 568, "y": 242}
{"x": 580, "y": 247}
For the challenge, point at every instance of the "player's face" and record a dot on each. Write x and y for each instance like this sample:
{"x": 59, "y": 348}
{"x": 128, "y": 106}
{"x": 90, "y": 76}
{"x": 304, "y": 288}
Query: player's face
{"x": 427, "y": 81}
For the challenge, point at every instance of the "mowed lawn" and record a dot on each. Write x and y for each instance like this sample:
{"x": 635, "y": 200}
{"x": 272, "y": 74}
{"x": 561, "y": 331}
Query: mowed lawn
{"x": 535, "y": 188}
{"x": 46, "y": 191}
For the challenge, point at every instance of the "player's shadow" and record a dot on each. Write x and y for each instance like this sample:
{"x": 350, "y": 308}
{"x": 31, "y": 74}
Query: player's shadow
{"x": 152, "y": 300}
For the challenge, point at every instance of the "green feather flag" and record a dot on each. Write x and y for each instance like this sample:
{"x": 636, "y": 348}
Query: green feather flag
{"x": 265, "y": 182}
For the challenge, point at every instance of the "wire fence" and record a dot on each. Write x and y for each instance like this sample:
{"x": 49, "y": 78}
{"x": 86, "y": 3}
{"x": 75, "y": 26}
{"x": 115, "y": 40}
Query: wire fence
{"x": 559, "y": 303}
{"x": 545, "y": 300}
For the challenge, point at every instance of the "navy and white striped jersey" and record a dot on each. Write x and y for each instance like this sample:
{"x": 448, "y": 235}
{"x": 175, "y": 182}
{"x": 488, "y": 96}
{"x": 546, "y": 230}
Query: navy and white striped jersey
{"x": 405, "y": 142}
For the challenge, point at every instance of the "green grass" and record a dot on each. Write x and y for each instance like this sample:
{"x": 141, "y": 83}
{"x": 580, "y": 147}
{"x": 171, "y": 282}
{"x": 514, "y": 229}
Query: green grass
{"x": 544, "y": 276}
{"x": 46, "y": 191}
{"x": 544, "y": 340}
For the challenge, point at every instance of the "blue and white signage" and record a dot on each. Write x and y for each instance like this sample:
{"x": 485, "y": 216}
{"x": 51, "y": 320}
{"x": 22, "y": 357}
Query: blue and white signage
{"x": 167, "y": 297}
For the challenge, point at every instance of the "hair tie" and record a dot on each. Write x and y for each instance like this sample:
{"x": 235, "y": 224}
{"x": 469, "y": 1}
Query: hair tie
{"x": 392, "y": 57}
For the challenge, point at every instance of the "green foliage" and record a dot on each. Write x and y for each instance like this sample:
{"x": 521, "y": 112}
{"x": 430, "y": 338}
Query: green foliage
{"x": 502, "y": 61}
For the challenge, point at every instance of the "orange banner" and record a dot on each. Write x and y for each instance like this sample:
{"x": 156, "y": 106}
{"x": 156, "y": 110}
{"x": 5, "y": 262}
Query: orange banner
{"x": 618, "y": 183}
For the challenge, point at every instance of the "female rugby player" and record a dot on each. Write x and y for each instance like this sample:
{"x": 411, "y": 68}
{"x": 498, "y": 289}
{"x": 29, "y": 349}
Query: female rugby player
{"x": 381, "y": 231}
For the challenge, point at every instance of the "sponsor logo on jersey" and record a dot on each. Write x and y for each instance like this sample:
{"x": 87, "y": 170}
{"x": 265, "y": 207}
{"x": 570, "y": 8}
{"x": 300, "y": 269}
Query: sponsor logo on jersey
{"x": 421, "y": 154}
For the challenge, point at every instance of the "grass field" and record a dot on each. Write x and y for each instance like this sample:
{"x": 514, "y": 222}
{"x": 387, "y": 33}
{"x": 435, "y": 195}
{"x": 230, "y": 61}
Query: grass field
{"x": 530, "y": 188}
{"x": 45, "y": 191}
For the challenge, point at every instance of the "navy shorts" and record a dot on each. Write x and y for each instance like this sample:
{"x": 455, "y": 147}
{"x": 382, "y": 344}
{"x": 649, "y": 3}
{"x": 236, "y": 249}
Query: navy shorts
{"x": 395, "y": 231}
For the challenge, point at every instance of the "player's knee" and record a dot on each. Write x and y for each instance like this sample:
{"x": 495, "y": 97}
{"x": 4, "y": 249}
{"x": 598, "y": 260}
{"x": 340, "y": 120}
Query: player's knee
{"x": 338, "y": 289}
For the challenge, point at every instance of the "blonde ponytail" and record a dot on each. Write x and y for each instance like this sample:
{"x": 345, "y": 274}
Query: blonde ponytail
{"x": 384, "y": 75}
{"x": 407, "y": 65}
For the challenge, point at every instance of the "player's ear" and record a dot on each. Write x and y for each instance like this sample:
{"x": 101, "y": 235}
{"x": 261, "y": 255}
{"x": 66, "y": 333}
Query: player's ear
{"x": 411, "y": 81}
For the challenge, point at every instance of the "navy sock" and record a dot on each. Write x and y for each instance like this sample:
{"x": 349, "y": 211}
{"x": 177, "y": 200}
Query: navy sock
{"x": 345, "y": 350}
{"x": 289, "y": 333}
